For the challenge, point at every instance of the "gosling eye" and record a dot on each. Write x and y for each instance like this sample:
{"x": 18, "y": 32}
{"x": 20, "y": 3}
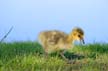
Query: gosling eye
{"x": 79, "y": 36}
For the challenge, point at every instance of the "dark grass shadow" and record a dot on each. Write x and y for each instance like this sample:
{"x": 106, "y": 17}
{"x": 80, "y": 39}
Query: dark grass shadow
{"x": 73, "y": 56}
{"x": 68, "y": 55}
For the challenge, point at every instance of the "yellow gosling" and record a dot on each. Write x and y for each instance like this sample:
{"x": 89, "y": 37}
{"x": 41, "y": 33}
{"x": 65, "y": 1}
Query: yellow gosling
{"x": 54, "y": 40}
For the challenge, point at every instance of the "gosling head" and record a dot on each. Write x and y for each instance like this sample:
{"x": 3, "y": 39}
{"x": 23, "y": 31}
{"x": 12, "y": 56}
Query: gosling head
{"x": 78, "y": 34}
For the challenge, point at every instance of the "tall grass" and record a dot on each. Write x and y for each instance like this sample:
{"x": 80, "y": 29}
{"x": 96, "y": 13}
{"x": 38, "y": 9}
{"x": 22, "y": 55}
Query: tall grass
{"x": 29, "y": 56}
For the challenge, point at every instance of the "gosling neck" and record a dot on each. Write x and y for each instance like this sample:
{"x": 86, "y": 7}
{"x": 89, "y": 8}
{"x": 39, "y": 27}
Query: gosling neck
{"x": 70, "y": 39}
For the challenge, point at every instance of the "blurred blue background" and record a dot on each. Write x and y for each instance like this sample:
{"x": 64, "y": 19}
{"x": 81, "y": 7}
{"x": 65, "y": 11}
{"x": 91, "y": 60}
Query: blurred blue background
{"x": 29, "y": 17}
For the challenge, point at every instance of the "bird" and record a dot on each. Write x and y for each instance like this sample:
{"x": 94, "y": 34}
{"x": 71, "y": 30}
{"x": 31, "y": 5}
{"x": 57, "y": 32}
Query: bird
{"x": 55, "y": 40}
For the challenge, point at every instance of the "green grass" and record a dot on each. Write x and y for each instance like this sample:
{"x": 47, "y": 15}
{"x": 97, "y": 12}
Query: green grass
{"x": 28, "y": 56}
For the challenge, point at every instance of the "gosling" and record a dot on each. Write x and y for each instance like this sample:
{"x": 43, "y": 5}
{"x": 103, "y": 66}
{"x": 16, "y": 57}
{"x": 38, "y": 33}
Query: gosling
{"x": 55, "y": 40}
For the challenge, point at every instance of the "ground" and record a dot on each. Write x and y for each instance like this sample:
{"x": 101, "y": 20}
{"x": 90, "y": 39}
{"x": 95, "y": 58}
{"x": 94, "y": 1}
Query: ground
{"x": 29, "y": 56}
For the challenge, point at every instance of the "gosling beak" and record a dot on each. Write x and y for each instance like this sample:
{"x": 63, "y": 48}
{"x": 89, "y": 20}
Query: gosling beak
{"x": 83, "y": 41}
